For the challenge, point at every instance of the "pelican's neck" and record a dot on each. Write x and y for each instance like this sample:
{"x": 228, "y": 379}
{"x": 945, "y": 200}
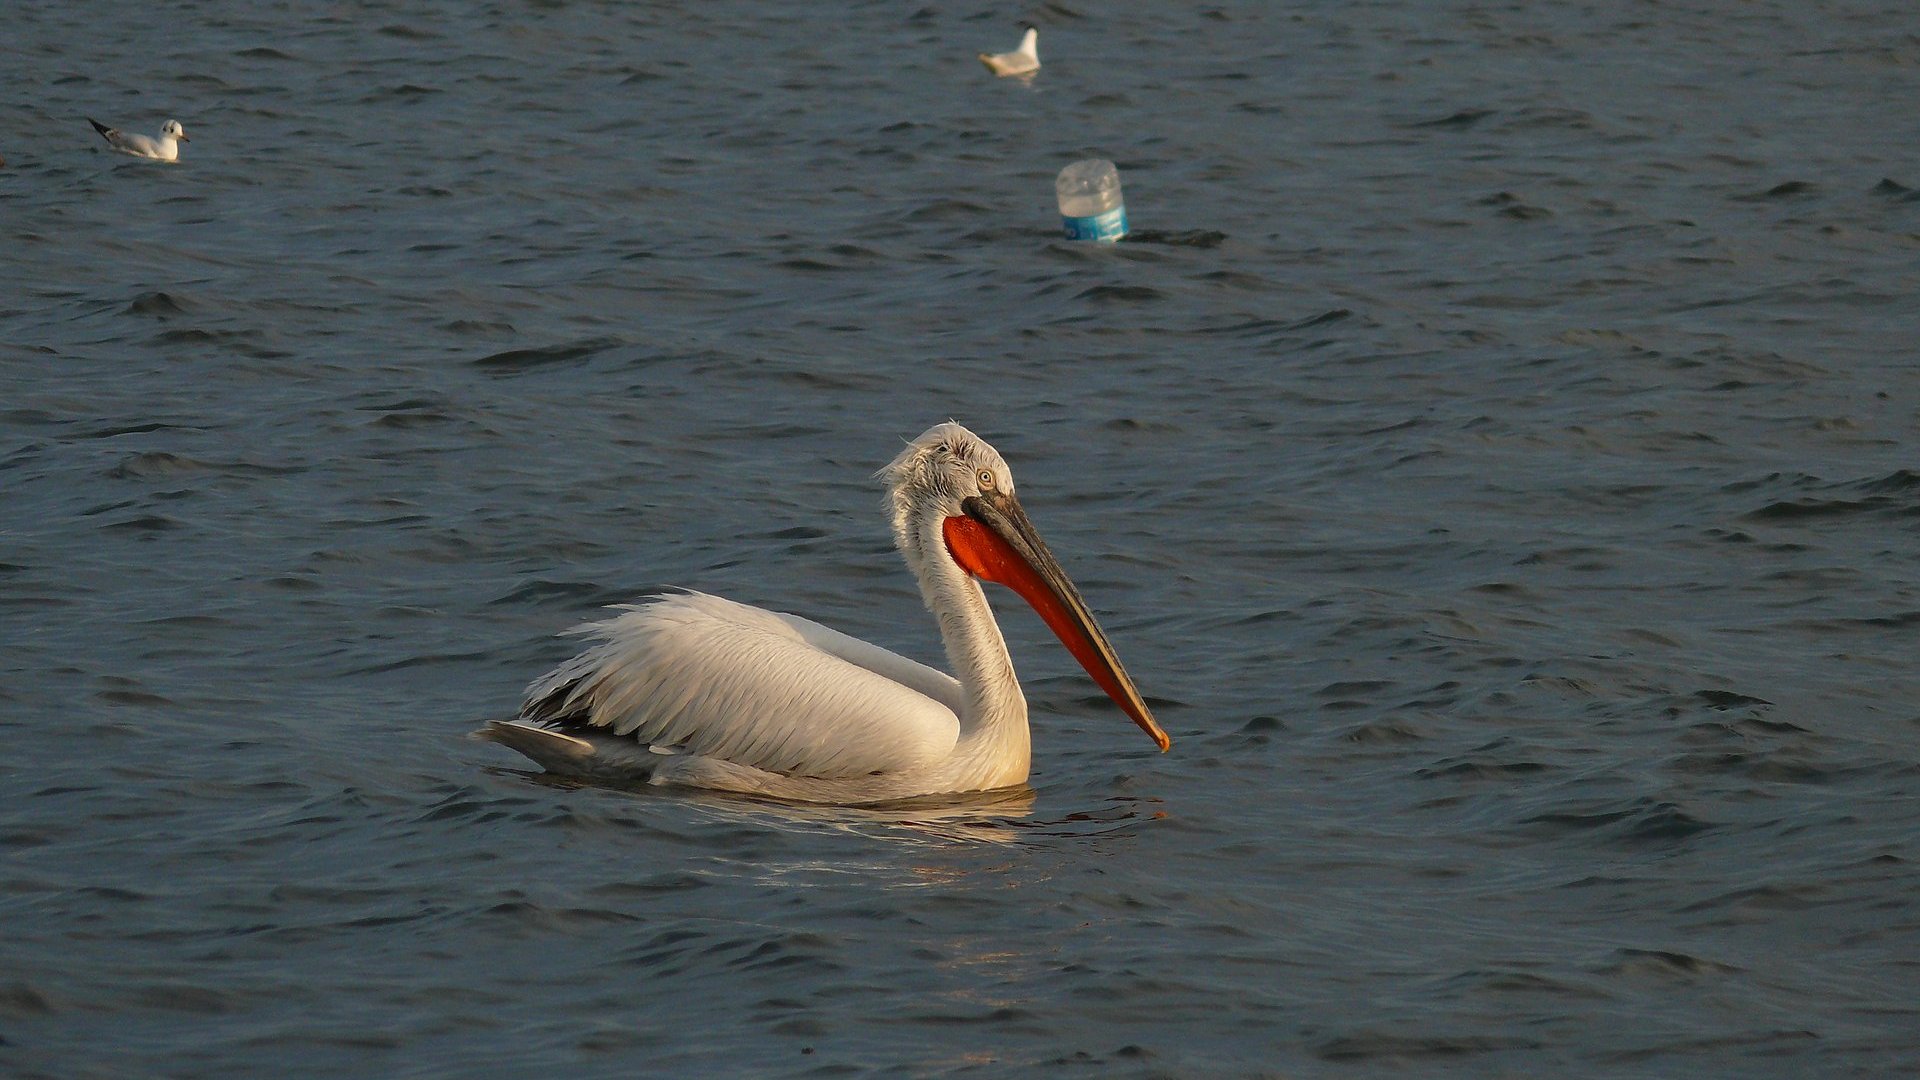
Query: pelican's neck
{"x": 993, "y": 716}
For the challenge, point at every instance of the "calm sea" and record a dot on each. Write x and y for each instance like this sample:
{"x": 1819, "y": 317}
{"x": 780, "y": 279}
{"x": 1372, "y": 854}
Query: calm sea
{"x": 1513, "y": 514}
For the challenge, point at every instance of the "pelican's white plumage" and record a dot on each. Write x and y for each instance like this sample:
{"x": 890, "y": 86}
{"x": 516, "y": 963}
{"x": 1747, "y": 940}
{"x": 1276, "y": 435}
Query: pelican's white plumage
{"x": 794, "y": 694}
{"x": 696, "y": 690}
{"x": 1024, "y": 60}
{"x": 164, "y": 148}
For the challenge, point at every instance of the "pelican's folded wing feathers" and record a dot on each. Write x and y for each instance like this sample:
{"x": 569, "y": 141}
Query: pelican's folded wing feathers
{"x": 708, "y": 676}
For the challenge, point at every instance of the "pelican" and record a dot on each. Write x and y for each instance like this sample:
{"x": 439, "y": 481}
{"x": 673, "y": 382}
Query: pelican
{"x": 1024, "y": 60}
{"x": 693, "y": 690}
{"x": 164, "y": 148}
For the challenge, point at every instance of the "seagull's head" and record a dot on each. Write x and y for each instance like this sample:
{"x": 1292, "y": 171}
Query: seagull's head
{"x": 172, "y": 130}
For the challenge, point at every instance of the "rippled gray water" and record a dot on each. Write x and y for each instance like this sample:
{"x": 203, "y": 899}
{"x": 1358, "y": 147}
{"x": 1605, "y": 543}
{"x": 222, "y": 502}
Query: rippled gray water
{"x": 1513, "y": 520}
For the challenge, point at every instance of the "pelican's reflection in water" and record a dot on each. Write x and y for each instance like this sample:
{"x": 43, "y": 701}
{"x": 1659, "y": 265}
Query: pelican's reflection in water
{"x": 1000, "y": 816}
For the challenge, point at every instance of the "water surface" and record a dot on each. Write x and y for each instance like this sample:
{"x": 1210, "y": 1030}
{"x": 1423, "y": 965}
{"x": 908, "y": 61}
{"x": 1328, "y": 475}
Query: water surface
{"x": 1512, "y": 518}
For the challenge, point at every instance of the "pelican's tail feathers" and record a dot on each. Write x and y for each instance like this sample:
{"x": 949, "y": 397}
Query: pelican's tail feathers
{"x": 590, "y": 754}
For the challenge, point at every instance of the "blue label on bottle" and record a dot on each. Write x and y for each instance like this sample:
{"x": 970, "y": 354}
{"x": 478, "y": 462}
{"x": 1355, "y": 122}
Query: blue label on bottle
{"x": 1106, "y": 227}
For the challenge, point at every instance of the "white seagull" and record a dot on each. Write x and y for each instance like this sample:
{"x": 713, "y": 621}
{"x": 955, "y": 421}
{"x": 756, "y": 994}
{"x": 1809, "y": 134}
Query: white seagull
{"x": 164, "y": 148}
{"x": 1024, "y": 60}
{"x": 693, "y": 690}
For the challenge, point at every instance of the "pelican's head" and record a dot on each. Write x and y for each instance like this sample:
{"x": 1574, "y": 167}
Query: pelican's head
{"x": 172, "y": 130}
{"x": 951, "y": 498}
{"x": 937, "y": 472}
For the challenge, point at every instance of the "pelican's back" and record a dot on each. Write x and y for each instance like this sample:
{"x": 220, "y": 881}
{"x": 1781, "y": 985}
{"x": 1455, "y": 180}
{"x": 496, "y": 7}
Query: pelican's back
{"x": 705, "y": 676}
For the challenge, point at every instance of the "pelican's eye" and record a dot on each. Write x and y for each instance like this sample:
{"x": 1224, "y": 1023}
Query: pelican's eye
{"x": 986, "y": 480}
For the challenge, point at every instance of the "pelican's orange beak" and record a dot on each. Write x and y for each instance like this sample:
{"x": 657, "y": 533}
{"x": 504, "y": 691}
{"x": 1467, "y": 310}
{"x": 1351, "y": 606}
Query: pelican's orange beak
{"x": 995, "y": 542}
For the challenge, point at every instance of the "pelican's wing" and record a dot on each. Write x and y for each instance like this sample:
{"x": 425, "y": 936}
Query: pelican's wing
{"x": 711, "y": 677}
{"x": 886, "y": 663}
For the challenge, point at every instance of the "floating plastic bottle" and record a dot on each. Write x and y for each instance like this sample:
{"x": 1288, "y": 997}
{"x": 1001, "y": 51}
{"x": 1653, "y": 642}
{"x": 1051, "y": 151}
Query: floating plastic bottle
{"x": 1090, "y": 204}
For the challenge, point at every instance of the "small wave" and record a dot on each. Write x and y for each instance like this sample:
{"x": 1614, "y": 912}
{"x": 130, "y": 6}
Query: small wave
{"x": 1661, "y": 962}
{"x": 1457, "y": 121}
{"x": 1788, "y": 190}
{"x": 159, "y": 303}
{"x": 1390, "y": 1046}
{"x": 1195, "y": 238}
{"x": 516, "y": 360}
{"x": 948, "y": 210}
{"x": 1805, "y": 509}
{"x": 1642, "y": 821}
{"x": 1131, "y": 294}
{"x": 540, "y": 590}
{"x": 144, "y": 523}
